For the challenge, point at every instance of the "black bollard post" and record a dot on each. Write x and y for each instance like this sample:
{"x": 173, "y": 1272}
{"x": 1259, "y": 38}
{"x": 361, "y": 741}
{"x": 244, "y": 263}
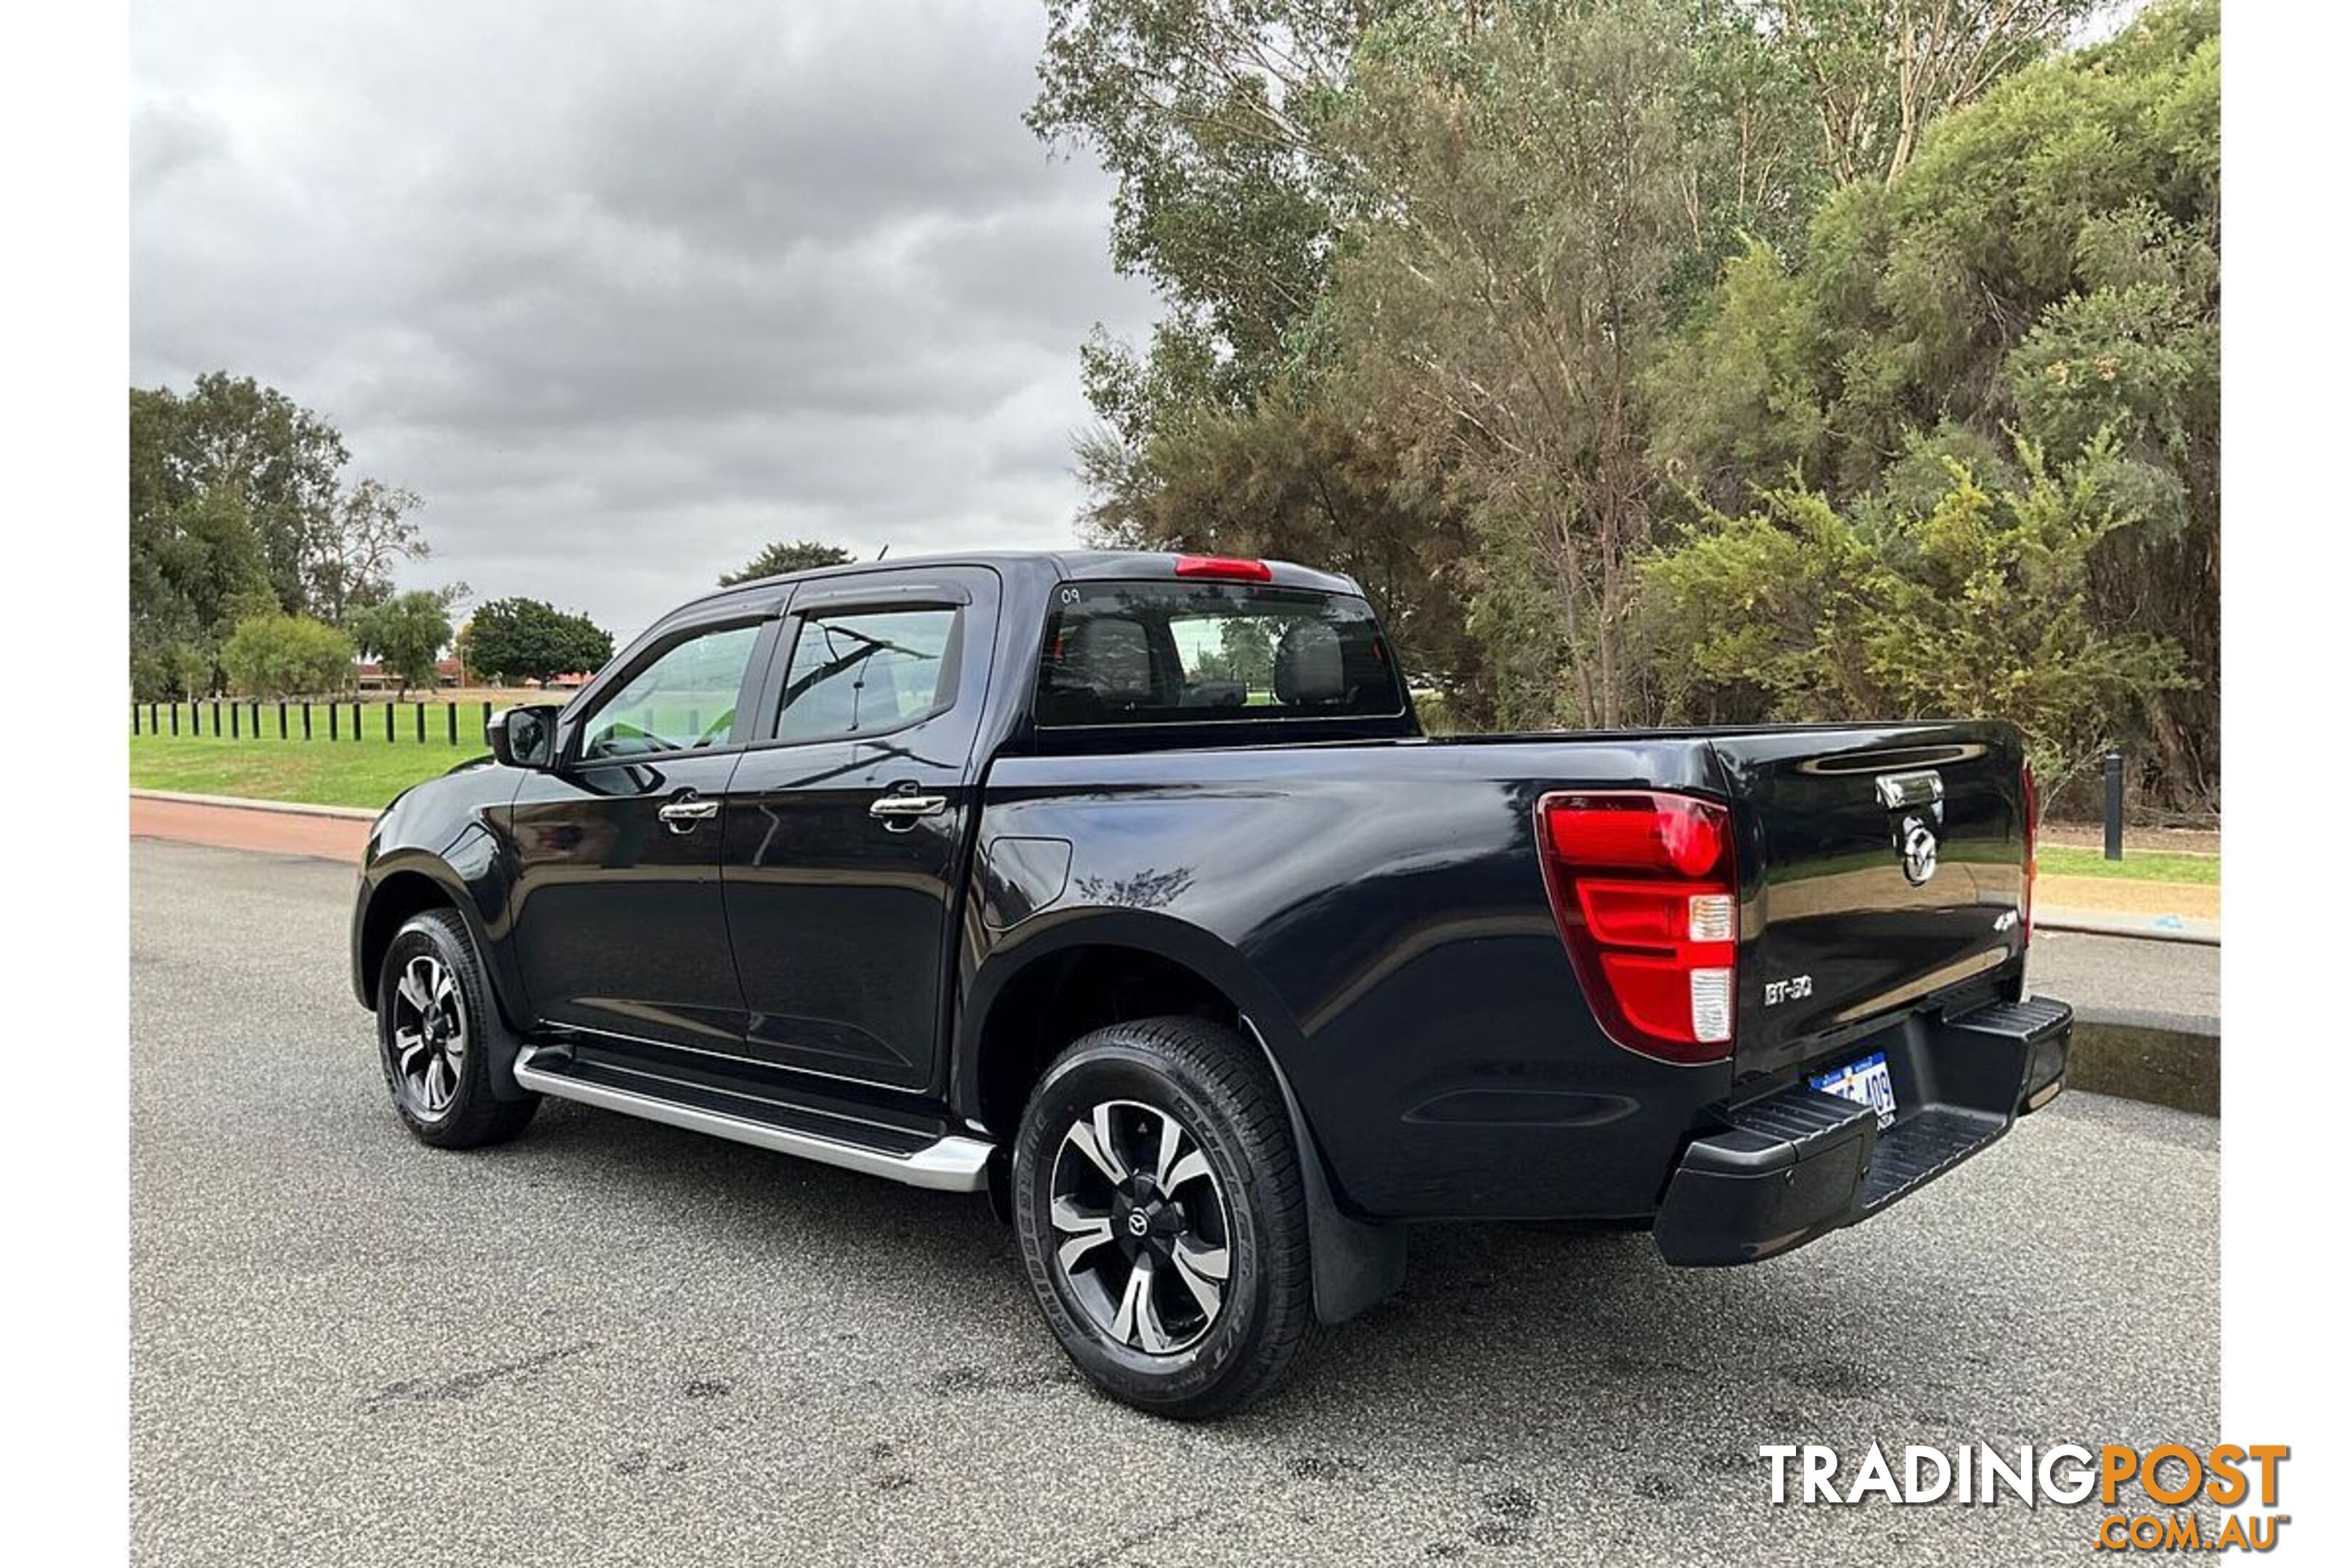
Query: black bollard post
{"x": 2115, "y": 805}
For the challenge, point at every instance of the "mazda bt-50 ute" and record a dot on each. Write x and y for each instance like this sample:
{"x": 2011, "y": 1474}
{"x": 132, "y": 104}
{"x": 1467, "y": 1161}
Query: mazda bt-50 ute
{"x": 1128, "y": 889}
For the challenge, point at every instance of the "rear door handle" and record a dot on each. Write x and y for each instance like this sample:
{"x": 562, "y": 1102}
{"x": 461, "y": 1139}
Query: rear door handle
{"x": 906, "y": 807}
{"x": 681, "y": 815}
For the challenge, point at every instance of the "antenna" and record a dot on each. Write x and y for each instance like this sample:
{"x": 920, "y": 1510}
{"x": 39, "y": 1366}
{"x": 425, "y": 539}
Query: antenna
{"x": 881, "y": 553}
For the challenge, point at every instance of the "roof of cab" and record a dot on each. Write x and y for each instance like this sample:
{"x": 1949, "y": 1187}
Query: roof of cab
{"x": 1075, "y": 566}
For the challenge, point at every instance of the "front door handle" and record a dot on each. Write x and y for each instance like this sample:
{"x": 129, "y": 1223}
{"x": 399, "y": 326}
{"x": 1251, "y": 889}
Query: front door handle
{"x": 896, "y": 808}
{"x": 682, "y": 815}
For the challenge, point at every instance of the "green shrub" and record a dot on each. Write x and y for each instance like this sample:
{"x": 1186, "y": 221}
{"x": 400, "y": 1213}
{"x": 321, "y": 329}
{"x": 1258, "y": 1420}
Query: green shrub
{"x": 280, "y": 655}
{"x": 1980, "y": 603}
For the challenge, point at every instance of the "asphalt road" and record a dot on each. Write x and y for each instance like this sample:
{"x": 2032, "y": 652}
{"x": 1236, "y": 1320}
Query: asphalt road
{"x": 612, "y": 1342}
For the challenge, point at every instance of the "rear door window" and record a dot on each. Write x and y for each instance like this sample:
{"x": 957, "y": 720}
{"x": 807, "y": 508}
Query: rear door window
{"x": 1204, "y": 653}
{"x": 863, "y": 671}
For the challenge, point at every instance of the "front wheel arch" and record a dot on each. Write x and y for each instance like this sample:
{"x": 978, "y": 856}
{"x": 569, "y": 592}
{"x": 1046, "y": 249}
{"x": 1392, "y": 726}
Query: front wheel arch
{"x": 451, "y": 1022}
{"x": 392, "y": 903}
{"x": 398, "y": 896}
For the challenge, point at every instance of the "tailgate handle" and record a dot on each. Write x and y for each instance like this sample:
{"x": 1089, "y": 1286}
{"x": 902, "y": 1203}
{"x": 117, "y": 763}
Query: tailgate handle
{"x": 1897, "y": 791}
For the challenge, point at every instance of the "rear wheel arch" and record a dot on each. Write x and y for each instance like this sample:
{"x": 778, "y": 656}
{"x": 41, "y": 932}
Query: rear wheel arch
{"x": 1095, "y": 974}
{"x": 1024, "y": 1006}
{"x": 1159, "y": 1211}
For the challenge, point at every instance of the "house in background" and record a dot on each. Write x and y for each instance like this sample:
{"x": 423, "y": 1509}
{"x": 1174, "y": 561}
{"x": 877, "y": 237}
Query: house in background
{"x": 372, "y": 675}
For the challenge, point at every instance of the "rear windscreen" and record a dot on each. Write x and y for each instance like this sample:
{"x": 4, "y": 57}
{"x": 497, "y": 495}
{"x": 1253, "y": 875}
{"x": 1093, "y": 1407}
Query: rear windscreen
{"x": 1205, "y": 653}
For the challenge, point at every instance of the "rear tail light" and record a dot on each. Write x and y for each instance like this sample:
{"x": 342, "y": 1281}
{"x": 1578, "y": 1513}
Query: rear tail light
{"x": 2033, "y": 849}
{"x": 1232, "y": 567}
{"x": 1646, "y": 892}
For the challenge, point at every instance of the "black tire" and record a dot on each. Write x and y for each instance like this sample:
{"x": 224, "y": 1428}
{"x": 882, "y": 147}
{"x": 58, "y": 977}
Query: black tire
{"x": 453, "y": 1107}
{"x": 1247, "y": 1210}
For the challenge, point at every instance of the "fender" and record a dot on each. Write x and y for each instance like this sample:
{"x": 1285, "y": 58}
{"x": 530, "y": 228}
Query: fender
{"x": 476, "y": 848}
{"x": 1357, "y": 1264}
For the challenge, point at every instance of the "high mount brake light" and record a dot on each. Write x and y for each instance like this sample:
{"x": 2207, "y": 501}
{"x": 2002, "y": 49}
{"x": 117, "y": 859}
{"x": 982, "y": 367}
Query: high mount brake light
{"x": 1645, "y": 889}
{"x": 1230, "y": 566}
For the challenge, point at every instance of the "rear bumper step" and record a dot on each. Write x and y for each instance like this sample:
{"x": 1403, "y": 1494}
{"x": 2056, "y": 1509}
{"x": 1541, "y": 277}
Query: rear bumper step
{"x": 949, "y": 1164}
{"x": 1796, "y": 1164}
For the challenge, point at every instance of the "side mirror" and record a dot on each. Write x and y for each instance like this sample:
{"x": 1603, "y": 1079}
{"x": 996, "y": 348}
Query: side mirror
{"x": 525, "y": 737}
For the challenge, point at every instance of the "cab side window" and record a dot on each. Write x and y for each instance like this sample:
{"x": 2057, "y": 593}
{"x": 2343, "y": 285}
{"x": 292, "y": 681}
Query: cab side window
{"x": 683, "y": 701}
{"x": 867, "y": 670}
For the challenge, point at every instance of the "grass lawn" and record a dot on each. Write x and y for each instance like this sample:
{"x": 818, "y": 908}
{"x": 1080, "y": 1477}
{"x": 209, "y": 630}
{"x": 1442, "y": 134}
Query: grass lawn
{"x": 323, "y": 772}
{"x": 2153, "y": 866}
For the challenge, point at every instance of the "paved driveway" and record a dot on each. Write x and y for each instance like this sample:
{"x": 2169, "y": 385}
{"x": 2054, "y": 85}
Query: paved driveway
{"x": 615, "y": 1343}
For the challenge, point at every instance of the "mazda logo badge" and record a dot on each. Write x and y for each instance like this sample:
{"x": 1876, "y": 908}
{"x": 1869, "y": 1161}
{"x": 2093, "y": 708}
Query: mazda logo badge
{"x": 1137, "y": 1222}
{"x": 1918, "y": 851}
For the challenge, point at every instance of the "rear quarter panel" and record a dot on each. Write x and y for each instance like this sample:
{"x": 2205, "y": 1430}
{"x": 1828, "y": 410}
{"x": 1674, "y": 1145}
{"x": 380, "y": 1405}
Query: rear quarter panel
{"x": 1379, "y": 912}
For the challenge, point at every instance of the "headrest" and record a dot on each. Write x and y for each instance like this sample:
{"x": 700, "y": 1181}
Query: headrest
{"x": 1111, "y": 656}
{"x": 1309, "y": 668}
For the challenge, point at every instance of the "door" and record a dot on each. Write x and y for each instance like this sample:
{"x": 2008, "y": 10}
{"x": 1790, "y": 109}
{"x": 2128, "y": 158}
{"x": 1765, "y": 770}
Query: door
{"x": 619, "y": 926}
{"x": 847, "y": 824}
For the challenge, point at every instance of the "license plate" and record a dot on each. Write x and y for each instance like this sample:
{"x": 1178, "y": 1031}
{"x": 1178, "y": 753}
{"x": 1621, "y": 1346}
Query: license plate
{"x": 1866, "y": 1081}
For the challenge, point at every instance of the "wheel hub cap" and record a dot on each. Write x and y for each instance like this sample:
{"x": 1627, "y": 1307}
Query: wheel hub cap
{"x": 428, "y": 1037}
{"x": 1140, "y": 1226}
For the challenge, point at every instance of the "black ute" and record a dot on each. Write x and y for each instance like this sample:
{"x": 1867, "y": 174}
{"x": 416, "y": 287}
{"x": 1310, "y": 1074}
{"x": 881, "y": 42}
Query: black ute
{"x": 1126, "y": 889}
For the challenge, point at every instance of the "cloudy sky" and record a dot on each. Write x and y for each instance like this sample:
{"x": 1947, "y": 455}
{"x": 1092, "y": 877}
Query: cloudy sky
{"x": 626, "y": 290}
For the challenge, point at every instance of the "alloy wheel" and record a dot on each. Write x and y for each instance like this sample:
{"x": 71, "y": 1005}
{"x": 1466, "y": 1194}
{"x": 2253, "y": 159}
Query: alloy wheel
{"x": 428, "y": 1037}
{"x": 1141, "y": 1229}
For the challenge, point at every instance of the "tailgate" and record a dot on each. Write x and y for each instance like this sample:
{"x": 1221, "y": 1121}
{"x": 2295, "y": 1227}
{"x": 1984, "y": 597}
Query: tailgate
{"x": 1879, "y": 866}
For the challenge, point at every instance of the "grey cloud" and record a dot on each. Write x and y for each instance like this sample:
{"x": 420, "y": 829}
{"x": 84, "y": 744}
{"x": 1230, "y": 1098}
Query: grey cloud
{"x": 169, "y": 134}
{"x": 626, "y": 291}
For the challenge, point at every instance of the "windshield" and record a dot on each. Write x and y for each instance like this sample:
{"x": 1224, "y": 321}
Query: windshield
{"x": 1205, "y": 653}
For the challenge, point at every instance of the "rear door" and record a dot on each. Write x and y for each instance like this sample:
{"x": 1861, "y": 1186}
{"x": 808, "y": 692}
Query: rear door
{"x": 619, "y": 926}
{"x": 1879, "y": 866}
{"x": 848, "y": 824}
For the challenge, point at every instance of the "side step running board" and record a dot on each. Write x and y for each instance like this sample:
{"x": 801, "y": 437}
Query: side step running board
{"x": 948, "y": 1165}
